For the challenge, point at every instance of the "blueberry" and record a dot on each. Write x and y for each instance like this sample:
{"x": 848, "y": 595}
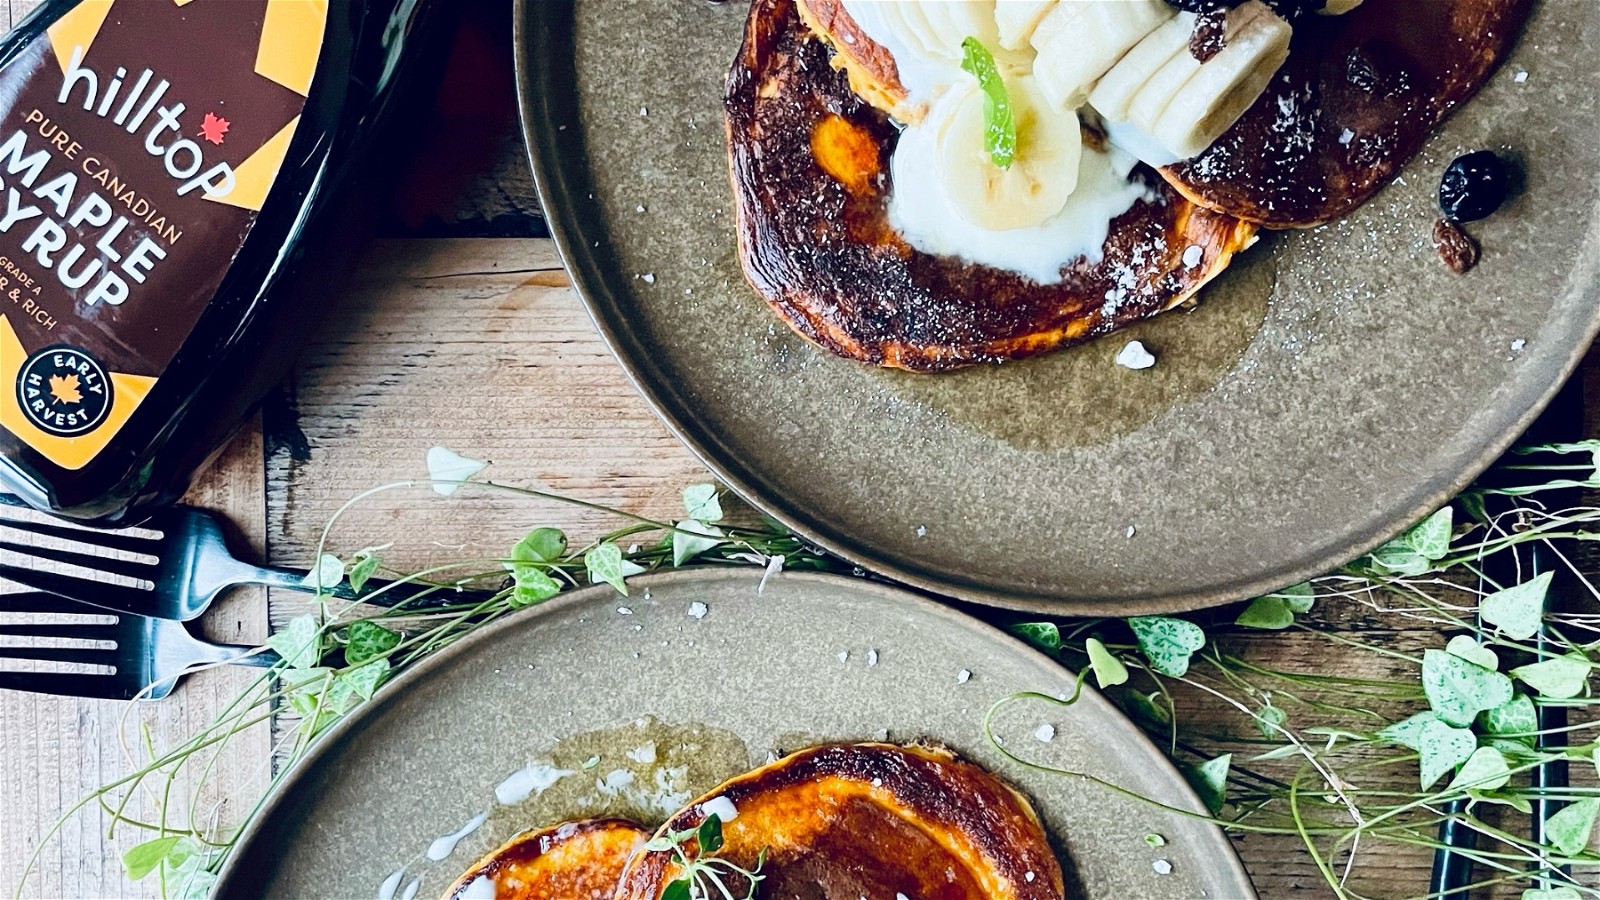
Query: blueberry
{"x": 1473, "y": 186}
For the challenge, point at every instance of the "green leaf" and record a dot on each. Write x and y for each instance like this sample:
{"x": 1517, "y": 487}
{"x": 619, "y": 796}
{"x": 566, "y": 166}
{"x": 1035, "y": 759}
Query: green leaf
{"x": 999, "y": 120}
{"x": 1108, "y": 670}
{"x": 449, "y": 468}
{"x": 191, "y": 878}
{"x": 1044, "y": 635}
{"x": 700, "y": 500}
{"x": 1472, "y": 504}
{"x": 1472, "y": 651}
{"x": 1569, "y": 829}
{"x": 1431, "y": 537}
{"x": 1559, "y": 892}
{"x": 1148, "y": 707}
{"x": 1559, "y": 678}
{"x": 326, "y": 575}
{"x": 1518, "y": 610}
{"x": 693, "y": 538}
{"x": 677, "y": 890}
{"x": 1269, "y": 613}
{"x": 1440, "y": 748}
{"x": 1514, "y": 719}
{"x": 709, "y": 835}
{"x": 368, "y": 640}
{"x": 1458, "y": 690}
{"x": 1210, "y": 781}
{"x": 1299, "y": 598}
{"x": 299, "y": 643}
{"x": 531, "y": 585}
{"x": 1484, "y": 770}
{"x": 542, "y": 545}
{"x": 604, "y": 563}
{"x": 1167, "y": 643}
{"x": 1409, "y": 732}
{"x": 363, "y": 680}
{"x": 142, "y": 859}
{"x": 362, "y": 568}
{"x": 1504, "y": 798}
{"x": 1271, "y": 716}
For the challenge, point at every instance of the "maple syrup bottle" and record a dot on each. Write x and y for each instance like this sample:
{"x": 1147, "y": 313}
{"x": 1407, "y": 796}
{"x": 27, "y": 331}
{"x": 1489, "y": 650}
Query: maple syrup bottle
{"x": 177, "y": 180}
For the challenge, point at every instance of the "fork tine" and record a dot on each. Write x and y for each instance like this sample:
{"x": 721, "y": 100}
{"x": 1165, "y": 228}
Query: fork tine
{"x": 110, "y": 596}
{"x": 101, "y": 687}
{"x": 80, "y": 655}
{"x": 79, "y": 631}
{"x": 111, "y": 540}
{"x": 123, "y": 567}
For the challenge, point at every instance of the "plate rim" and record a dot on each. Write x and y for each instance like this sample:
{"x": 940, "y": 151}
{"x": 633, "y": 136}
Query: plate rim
{"x": 543, "y": 132}
{"x": 229, "y": 877}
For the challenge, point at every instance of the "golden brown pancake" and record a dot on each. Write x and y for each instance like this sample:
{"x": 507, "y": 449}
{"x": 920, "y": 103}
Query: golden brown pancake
{"x": 870, "y": 820}
{"x": 571, "y": 861}
{"x": 809, "y": 164}
{"x": 870, "y": 66}
{"x": 1357, "y": 98}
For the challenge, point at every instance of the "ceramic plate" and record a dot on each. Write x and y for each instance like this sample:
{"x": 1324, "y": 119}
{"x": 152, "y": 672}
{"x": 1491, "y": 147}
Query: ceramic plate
{"x": 811, "y": 658}
{"x": 1332, "y": 388}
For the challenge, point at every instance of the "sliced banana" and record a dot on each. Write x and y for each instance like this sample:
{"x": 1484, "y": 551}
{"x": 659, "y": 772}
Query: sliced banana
{"x": 1017, "y": 20}
{"x": 1042, "y": 175}
{"x": 1221, "y": 91}
{"x": 1080, "y": 40}
{"x": 946, "y": 23}
{"x": 1117, "y": 88}
{"x": 1338, "y": 7}
{"x": 1156, "y": 94}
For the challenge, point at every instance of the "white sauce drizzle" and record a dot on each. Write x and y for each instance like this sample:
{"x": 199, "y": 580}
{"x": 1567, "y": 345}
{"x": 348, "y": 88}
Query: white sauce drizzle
{"x": 721, "y": 807}
{"x": 391, "y": 884}
{"x": 444, "y": 846}
{"x": 532, "y": 781}
{"x": 481, "y": 888}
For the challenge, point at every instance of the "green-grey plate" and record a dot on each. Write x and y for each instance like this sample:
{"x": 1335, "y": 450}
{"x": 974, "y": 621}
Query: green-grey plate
{"x": 598, "y": 684}
{"x": 1332, "y": 388}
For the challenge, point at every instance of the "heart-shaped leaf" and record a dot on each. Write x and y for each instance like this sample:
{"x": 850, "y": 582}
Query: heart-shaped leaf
{"x": 1518, "y": 609}
{"x": 1108, "y": 670}
{"x": 1560, "y": 892}
{"x": 448, "y": 469}
{"x": 1458, "y": 690}
{"x": 1409, "y": 732}
{"x": 1559, "y": 678}
{"x": 1472, "y": 651}
{"x": 1431, "y": 537}
{"x": 1484, "y": 770}
{"x": 1210, "y": 781}
{"x": 542, "y": 545}
{"x": 367, "y": 640}
{"x": 604, "y": 563}
{"x": 1440, "y": 748}
{"x": 1569, "y": 829}
{"x": 1268, "y": 613}
{"x": 1044, "y": 635}
{"x": 701, "y": 502}
{"x": 693, "y": 538}
{"x": 1299, "y": 598}
{"x": 1167, "y": 643}
{"x": 1513, "y": 720}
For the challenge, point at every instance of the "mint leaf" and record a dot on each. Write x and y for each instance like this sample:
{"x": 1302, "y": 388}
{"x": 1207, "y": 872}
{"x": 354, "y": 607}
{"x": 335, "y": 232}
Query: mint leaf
{"x": 709, "y": 835}
{"x": 1458, "y": 690}
{"x": 1431, "y": 537}
{"x": 368, "y": 640}
{"x": 1484, "y": 770}
{"x": 693, "y": 538}
{"x": 1044, "y": 635}
{"x": 542, "y": 545}
{"x": 1210, "y": 781}
{"x": 999, "y": 120}
{"x": 299, "y": 643}
{"x": 142, "y": 859}
{"x": 1268, "y": 613}
{"x": 1472, "y": 651}
{"x": 1569, "y": 829}
{"x": 1518, "y": 610}
{"x": 700, "y": 500}
{"x": 1167, "y": 643}
{"x": 1108, "y": 670}
{"x": 1560, "y": 678}
{"x": 1440, "y": 748}
{"x": 604, "y": 563}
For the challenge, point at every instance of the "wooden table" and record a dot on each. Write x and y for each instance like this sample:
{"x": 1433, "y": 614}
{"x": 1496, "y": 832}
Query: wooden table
{"x": 463, "y": 297}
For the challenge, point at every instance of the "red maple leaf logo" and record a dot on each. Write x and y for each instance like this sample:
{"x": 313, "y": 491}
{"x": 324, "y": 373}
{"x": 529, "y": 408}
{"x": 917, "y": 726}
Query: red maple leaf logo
{"x": 213, "y": 128}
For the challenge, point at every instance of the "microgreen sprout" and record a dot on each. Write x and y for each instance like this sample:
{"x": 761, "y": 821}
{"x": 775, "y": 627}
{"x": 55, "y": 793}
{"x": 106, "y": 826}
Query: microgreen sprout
{"x": 701, "y": 871}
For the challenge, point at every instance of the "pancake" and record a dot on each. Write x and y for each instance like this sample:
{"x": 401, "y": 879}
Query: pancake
{"x": 571, "y": 861}
{"x": 1358, "y": 97}
{"x": 809, "y": 165}
{"x": 869, "y": 820}
{"x": 870, "y": 67}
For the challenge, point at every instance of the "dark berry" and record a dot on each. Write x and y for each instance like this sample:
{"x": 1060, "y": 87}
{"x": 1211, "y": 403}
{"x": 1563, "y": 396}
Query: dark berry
{"x": 1474, "y": 186}
{"x": 1204, "y": 6}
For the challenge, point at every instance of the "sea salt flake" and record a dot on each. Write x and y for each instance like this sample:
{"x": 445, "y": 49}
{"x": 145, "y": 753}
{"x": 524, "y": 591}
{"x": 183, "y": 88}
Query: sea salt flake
{"x": 1135, "y": 356}
{"x": 644, "y": 111}
{"x": 649, "y": 277}
{"x": 1521, "y": 78}
{"x": 1162, "y": 867}
{"x": 624, "y": 611}
{"x": 963, "y": 676}
{"x": 639, "y": 208}
{"x": 698, "y": 610}
{"x": 872, "y": 658}
{"x": 1346, "y": 136}
{"x": 1517, "y": 345}
{"x": 922, "y": 531}
{"x": 1045, "y": 733}
{"x": 1028, "y": 876}
{"x": 1193, "y": 256}
{"x": 844, "y": 656}
{"x": 1132, "y": 531}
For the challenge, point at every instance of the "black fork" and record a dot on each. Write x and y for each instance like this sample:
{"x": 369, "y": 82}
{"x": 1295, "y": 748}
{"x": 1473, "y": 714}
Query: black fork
{"x": 192, "y": 566}
{"x": 138, "y": 656}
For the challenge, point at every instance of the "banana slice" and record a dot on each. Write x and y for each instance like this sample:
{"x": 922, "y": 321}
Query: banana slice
{"x": 1162, "y": 88}
{"x": 1017, "y": 20}
{"x": 1221, "y": 91}
{"x": 1039, "y": 180}
{"x": 1117, "y": 88}
{"x": 1338, "y": 7}
{"x": 941, "y": 25}
{"x": 1080, "y": 40}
